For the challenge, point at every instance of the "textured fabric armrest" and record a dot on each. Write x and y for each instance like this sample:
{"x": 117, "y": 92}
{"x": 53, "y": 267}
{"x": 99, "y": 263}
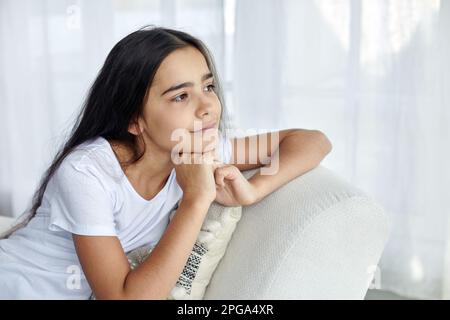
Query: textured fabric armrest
{"x": 317, "y": 237}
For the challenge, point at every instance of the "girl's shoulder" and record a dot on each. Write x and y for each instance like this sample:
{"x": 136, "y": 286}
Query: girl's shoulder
{"x": 94, "y": 157}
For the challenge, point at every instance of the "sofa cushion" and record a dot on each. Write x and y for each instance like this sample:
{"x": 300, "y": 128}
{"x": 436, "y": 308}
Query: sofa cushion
{"x": 209, "y": 248}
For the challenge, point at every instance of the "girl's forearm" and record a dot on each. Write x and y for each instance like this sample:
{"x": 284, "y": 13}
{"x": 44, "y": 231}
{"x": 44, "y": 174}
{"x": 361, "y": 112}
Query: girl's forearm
{"x": 158, "y": 274}
{"x": 297, "y": 153}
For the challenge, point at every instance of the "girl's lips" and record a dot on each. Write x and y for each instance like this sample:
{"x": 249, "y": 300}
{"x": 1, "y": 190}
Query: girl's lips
{"x": 210, "y": 126}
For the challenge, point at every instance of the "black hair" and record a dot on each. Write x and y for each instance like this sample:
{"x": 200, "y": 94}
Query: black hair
{"x": 117, "y": 97}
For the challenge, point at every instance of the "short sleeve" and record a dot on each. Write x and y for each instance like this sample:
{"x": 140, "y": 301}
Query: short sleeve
{"x": 79, "y": 201}
{"x": 225, "y": 148}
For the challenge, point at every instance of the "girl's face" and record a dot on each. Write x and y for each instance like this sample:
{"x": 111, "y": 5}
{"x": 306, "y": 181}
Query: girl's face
{"x": 182, "y": 98}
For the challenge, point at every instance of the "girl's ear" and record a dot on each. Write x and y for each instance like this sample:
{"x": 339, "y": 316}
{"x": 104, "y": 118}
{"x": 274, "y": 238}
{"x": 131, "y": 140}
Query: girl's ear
{"x": 135, "y": 127}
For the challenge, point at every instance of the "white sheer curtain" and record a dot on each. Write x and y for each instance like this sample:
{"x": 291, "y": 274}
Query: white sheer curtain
{"x": 50, "y": 52}
{"x": 374, "y": 76}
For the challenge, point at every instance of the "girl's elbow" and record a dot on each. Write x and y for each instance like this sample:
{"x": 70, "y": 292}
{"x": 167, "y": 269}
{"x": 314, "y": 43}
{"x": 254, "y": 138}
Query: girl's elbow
{"x": 324, "y": 142}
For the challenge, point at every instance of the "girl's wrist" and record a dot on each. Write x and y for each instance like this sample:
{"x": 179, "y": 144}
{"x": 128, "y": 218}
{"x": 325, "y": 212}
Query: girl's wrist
{"x": 196, "y": 201}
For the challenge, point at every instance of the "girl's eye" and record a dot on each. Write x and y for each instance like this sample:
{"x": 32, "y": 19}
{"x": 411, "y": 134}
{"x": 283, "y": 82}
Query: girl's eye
{"x": 212, "y": 87}
{"x": 180, "y": 97}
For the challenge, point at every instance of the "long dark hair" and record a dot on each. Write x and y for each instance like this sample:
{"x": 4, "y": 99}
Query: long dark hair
{"x": 118, "y": 94}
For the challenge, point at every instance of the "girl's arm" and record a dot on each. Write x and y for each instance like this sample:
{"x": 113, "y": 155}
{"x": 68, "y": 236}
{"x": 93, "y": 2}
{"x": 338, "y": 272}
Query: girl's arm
{"x": 107, "y": 269}
{"x": 296, "y": 150}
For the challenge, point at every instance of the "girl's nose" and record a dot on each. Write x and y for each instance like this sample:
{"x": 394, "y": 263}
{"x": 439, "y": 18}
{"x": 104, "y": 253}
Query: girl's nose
{"x": 204, "y": 108}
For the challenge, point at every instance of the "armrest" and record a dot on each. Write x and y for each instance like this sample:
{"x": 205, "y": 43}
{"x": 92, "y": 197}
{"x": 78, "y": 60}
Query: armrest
{"x": 317, "y": 237}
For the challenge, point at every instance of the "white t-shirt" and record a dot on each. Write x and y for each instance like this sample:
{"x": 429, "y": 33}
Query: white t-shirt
{"x": 89, "y": 194}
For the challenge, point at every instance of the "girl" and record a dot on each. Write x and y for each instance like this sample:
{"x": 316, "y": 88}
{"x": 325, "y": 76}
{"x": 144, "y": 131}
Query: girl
{"x": 112, "y": 186}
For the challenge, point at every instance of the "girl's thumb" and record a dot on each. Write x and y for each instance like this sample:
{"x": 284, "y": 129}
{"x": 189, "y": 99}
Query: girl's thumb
{"x": 224, "y": 172}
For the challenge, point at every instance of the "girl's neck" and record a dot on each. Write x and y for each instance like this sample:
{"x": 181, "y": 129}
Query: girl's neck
{"x": 148, "y": 175}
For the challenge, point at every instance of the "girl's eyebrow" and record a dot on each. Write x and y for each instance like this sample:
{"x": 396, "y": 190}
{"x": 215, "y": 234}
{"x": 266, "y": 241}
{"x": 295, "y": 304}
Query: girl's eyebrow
{"x": 187, "y": 84}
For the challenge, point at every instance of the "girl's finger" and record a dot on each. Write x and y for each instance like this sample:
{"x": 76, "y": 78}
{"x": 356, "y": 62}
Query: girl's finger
{"x": 218, "y": 177}
{"x": 217, "y": 164}
{"x": 224, "y": 172}
{"x": 200, "y": 158}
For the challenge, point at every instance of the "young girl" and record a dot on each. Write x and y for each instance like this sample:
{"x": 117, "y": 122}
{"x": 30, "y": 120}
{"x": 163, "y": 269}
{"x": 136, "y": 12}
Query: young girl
{"x": 112, "y": 186}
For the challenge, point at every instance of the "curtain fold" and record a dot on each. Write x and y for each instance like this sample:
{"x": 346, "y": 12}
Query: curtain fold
{"x": 259, "y": 60}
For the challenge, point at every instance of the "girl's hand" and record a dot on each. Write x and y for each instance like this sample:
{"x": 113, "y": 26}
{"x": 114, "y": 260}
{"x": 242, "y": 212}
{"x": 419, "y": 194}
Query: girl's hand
{"x": 195, "y": 176}
{"x": 232, "y": 188}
